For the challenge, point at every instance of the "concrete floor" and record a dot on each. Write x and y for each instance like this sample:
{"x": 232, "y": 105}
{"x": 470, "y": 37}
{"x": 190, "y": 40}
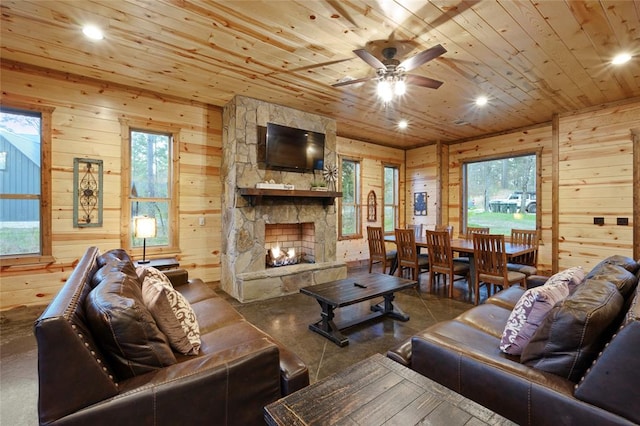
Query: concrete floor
{"x": 285, "y": 318}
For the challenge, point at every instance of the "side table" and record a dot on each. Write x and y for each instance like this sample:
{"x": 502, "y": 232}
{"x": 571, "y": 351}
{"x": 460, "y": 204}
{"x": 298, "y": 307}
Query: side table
{"x": 162, "y": 264}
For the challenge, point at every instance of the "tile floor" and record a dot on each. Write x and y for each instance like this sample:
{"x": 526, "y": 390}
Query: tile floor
{"x": 285, "y": 318}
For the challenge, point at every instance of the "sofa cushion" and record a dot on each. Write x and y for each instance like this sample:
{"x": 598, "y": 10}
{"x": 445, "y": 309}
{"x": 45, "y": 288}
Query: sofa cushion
{"x": 575, "y": 330}
{"x": 124, "y": 328}
{"x": 527, "y": 315}
{"x": 176, "y": 317}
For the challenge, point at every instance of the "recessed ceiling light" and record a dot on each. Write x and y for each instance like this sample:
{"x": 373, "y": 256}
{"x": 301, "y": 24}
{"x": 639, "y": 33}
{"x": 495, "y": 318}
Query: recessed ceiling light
{"x": 620, "y": 59}
{"x": 403, "y": 124}
{"x": 481, "y": 100}
{"x": 92, "y": 32}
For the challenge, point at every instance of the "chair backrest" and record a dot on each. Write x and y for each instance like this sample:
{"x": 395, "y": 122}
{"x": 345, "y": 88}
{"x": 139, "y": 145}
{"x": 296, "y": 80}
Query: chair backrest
{"x": 377, "y": 248}
{"x": 489, "y": 255}
{"x": 417, "y": 230}
{"x": 475, "y": 230}
{"x": 527, "y": 237}
{"x": 406, "y": 246}
{"x": 448, "y": 228}
{"x": 439, "y": 244}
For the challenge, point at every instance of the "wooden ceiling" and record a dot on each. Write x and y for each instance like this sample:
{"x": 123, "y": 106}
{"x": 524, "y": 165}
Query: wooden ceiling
{"x": 530, "y": 58}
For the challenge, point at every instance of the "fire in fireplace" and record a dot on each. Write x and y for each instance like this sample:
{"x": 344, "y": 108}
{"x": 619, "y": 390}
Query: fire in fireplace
{"x": 289, "y": 244}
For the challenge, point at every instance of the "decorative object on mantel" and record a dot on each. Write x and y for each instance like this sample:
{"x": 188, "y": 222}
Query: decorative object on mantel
{"x": 330, "y": 174}
{"x": 372, "y": 206}
{"x": 87, "y": 192}
{"x": 420, "y": 204}
{"x": 273, "y": 185}
{"x": 319, "y": 185}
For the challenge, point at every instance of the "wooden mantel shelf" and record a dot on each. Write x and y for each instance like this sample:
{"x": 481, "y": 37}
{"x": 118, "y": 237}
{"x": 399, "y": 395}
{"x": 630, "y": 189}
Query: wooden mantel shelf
{"x": 256, "y": 194}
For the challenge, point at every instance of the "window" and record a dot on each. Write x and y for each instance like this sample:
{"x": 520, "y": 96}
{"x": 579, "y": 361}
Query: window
{"x": 390, "y": 190}
{"x": 151, "y": 186}
{"x": 501, "y": 193}
{"x": 25, "y": 179}
{"x": 351, "y": 215}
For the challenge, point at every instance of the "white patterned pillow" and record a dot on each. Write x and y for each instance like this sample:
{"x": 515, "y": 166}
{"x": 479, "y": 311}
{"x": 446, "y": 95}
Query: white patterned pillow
{"x": 173, "y": 313}
{"x": 533, "y": 307}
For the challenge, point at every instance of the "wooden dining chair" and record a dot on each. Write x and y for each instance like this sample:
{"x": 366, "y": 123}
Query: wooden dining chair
{"x": 526, "y": 263}
{"x": 490, "y": 260}
{"x": 448, "y": 228}
{"x": 417, "y": 229}
{"x": 377, "y": 250}
{"x": 476, "y": 230}
{"x": 408, "y": 257}
{"x": 441, "y": 261}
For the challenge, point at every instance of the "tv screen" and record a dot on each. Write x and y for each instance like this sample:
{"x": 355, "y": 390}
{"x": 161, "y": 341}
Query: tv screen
{"x": 293, "y": 149}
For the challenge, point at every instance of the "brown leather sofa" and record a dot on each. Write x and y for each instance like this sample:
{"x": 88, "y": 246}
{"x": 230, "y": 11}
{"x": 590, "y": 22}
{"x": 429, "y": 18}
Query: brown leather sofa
{"x": 464, "y": 355}
{"x": 238, "y": 370}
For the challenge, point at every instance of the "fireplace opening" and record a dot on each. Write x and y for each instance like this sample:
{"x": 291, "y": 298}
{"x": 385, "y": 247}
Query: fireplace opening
{"x": 289, "y": 244}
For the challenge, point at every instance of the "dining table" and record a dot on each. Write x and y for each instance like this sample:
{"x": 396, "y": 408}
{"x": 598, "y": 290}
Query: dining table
{"x": 464, "y": 246}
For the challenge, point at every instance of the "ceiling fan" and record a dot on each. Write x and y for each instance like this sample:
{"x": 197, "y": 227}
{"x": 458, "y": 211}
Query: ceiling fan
{"x": 391, "y": 73}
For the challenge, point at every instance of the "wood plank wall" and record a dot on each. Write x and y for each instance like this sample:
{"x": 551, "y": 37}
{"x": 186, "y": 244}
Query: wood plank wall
{"x": 596, "y": 172}
{"x": 594, "y": 177}
{"x": 529, "y": 140}
{"x": 86, "y": 124}
{"x": 372, "y": 160}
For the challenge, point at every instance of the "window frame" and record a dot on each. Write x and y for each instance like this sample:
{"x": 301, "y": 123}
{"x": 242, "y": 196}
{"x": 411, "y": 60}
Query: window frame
{"x": 396, "y": 197}
{"x": 464, "y": 179}
{"x": 46, "y": 239}
{"x": 357, "y": 200}
{"x": 127, "y": 126}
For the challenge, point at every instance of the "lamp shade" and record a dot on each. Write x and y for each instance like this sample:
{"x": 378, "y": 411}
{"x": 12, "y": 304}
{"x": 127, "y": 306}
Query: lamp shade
{"x": 144, "y": 226}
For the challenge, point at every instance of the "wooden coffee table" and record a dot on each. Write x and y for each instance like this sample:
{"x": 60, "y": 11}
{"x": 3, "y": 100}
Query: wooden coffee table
{"x": 378, "y": 391}
{"x": 336, "y": 294}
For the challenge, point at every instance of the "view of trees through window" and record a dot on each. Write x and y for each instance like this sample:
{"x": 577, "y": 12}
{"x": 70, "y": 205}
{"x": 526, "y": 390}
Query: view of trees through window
{"x": 151, "y": 183}
{"x": 501, "y": 193}
{"x": 20, "y": 190}
{"x": 390, "y": 195}
{"x": 350, "y": 225}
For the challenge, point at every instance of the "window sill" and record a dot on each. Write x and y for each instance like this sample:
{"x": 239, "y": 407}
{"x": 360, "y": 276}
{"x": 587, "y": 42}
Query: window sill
{"x": 36, "y": 259}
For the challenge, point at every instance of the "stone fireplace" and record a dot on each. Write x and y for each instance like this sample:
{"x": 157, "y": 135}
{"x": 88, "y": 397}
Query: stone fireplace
{"x": 246, "y": 222}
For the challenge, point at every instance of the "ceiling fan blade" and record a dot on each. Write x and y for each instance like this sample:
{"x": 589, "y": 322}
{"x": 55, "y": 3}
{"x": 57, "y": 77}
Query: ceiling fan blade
{"x": 359, "y": 80}
{"x": 369, "y": 59}
{"x": 422, "y": 57}
{"x": 418, "y": 80}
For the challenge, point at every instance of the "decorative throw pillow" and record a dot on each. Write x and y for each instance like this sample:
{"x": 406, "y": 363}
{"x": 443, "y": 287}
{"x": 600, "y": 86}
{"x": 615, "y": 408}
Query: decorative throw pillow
{"x": 172, "y": 312}
{"x": 533, "y": 307}
{"x": 528, "y": 314}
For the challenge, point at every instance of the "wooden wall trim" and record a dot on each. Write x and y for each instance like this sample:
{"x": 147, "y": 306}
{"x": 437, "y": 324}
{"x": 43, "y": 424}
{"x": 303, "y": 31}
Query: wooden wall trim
{"x": 635, "y": 137}
{"x": 555, "y": 187}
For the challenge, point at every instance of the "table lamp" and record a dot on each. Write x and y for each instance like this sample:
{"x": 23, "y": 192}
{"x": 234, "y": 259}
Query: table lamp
{"x": 144, "y": 227}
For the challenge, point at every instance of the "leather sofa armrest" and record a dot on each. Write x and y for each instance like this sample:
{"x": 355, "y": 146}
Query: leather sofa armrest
{"x": 536, "y": 280}
{"x": 294, "y": 374}
{"x": 226, "y": 387}
{"x": 177, "y": 277}
{"x": 401, "y": 353}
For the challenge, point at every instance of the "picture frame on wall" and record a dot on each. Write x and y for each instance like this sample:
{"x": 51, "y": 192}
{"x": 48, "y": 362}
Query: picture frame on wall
{"x": 87, "y": 193}
{"x": 420, "y": 204}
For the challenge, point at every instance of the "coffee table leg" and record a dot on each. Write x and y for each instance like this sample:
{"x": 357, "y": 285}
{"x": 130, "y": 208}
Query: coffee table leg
{"x": 390, "y": 309}
{"x": 327, "y": 328}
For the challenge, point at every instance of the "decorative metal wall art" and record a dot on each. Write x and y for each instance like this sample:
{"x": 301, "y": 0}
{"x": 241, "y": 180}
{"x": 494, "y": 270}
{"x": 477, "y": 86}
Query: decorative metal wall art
{"x": 372, "y": 207}
{"x": 87, "y": 192}
{"x": 420, "y": 204}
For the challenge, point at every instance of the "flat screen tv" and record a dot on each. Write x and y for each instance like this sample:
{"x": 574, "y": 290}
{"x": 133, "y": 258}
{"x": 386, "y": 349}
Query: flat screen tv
{"x": 293, "y": 149}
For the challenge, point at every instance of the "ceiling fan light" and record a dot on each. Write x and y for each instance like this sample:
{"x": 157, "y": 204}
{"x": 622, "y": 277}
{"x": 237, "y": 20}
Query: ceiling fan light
{"x": 385, "y": 91}
{"x": 400, "y": 88}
